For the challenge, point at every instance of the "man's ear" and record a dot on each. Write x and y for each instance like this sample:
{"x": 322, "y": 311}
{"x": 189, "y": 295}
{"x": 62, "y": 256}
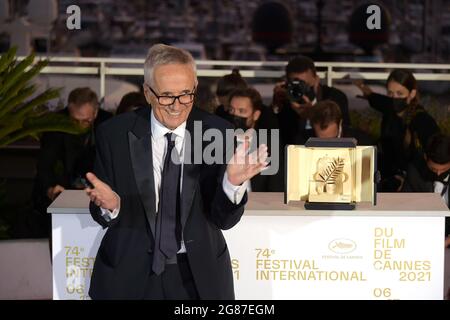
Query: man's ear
{"x": 256, "y": 115}
{"x": 147, "y": 94}
{"x": 316, "y": 82}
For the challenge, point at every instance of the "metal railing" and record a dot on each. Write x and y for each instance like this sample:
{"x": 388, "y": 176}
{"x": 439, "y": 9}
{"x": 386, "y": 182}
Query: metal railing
{"x": 330, "y": 71}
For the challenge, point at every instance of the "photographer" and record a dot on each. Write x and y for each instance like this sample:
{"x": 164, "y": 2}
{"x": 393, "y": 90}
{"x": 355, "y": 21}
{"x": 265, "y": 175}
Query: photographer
{"x": 294, "y": 98}
{"x": 405, "y": 126}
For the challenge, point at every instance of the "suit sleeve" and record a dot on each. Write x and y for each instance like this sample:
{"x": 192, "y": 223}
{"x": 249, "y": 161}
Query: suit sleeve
{"x": 225, "y": 213}
{"x": 103, "y": 171}
{"x": 380, "y": 103}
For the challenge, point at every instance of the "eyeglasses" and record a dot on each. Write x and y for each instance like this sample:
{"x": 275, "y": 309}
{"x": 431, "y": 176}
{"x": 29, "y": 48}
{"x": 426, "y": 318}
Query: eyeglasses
{"x": 184, "y": 98}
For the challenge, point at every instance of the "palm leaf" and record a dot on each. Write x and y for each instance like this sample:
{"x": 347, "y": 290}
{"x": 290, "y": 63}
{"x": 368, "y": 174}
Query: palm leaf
{"x": 9, "y": 103}
{"x": 48, "y": 122}
{"x": 7, "y": 58}
{"x": 15, "y": 120}
{"x": 332, "y": 171}
{"x": 21, "y": 116}
{"x": 15, "y": 73}
{"x": 47, "y": 95}
{"x": 19, "y": 84}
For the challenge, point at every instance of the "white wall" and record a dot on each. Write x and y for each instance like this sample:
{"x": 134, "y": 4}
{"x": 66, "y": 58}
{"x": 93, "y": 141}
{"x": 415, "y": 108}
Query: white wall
{"x": 25, "y": 269}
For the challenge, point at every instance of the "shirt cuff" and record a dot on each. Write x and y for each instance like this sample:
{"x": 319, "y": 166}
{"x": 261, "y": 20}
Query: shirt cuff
{"x": 109, "y": 215}
{"x": 234, "y": 193}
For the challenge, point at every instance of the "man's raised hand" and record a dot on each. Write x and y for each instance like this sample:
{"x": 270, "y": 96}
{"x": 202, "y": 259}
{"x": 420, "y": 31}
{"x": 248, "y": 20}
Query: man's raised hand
{"x": 102, "y": 195}
{"x": 244, "y": 166}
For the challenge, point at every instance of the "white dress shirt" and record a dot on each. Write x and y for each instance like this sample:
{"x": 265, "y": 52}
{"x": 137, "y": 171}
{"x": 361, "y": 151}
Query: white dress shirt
{"x": 439, "y": 187}
{"x": 159, "y": 149}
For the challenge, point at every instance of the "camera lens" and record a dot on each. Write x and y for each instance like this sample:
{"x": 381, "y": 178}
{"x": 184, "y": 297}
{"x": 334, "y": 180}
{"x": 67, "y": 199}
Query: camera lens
{"x": 296, "y": 89}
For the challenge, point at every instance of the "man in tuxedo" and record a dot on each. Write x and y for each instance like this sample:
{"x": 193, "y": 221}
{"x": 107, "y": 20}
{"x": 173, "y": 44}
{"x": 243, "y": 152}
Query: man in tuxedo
{"x": 164, "y": 212}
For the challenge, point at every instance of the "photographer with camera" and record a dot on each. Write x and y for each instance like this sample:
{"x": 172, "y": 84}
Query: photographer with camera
{"x": 294, "y": 98}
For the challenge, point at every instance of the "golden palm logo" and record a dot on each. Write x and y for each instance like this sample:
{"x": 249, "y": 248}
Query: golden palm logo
{"x": 342, "y": 246}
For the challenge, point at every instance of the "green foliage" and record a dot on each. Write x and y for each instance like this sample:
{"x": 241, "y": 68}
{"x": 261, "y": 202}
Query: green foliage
{"x": 440, "y": 111}
{"x": 21, "y": 113}
{"x": 368, "y": 121}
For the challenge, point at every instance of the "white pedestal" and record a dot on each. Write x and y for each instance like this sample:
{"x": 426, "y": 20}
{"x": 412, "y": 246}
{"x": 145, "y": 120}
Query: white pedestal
{"x": 394, "y": 250}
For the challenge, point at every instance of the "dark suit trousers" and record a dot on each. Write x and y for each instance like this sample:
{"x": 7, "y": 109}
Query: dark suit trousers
{"x": 175, "y": 283}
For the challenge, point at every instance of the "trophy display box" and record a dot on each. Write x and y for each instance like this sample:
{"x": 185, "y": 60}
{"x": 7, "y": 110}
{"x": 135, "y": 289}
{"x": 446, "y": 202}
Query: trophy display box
{"x": 330, "y": 174}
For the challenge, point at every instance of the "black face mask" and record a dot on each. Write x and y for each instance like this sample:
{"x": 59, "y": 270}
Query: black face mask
{"x": 397, "y": 104}
{"x": 240, "y": 122}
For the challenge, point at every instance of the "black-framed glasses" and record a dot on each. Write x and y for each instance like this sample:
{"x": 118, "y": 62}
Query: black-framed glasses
{"x": 185, "y": 98}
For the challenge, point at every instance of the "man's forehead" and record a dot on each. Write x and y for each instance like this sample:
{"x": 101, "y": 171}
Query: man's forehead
{"x": 300, "y": 75}
{"x": 174, "y": 86}
{"x": 174, "y": 70}
{"x": 82, "y": 110}
{"x": 438, "y": 165}
{"x": 241, "y": 102}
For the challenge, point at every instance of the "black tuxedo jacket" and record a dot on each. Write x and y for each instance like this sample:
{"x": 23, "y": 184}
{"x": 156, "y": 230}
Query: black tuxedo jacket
{"x": 124, "y": 259}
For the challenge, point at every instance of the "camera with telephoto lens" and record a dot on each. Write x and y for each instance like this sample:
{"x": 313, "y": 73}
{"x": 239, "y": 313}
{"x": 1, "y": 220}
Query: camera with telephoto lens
{"x": 296, "y": 89}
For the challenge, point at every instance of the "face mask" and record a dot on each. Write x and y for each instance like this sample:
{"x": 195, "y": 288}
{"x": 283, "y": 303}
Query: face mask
{"x": 240, "y": 123}
{"x": 399, "y": 104}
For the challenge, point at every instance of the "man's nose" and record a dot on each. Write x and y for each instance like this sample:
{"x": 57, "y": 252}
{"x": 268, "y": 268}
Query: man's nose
{"x": 176, "y": 105}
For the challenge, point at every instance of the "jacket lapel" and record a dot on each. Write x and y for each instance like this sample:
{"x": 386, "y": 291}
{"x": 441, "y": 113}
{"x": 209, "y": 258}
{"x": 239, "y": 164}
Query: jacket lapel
{"x": 139, "y": 139}
{"x": 191, "y": 171}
